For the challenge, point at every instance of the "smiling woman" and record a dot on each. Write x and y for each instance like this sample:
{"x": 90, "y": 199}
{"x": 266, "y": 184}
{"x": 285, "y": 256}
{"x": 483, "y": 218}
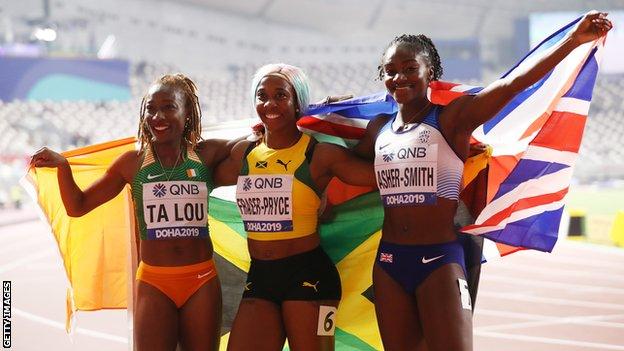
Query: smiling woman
{"x": 421, "y": 294}
{"x": 293, "y": 288}
{"x": 177, "y": 288}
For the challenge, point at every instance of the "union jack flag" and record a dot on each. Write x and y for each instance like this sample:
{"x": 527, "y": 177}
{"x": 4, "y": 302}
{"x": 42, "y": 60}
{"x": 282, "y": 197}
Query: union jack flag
{"x": 385, "y": 257}
{"x": 535, "y": 140}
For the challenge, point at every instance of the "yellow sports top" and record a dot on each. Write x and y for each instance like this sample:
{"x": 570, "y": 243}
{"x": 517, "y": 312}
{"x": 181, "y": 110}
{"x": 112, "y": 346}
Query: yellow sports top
{"x": 275, "y": 193}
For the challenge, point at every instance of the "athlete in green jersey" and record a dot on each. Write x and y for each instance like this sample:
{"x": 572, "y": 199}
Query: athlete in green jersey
{"x": 178, "y": 293}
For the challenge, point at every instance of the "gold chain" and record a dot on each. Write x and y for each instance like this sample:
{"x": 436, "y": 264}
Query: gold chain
{"x": 168, "y": 177}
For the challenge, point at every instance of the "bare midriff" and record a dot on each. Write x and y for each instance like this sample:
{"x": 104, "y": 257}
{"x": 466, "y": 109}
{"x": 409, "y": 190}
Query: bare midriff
{"x": 176, "y": 252}
{"x": 276, "y": 249}
{"x": 420, "y": 225}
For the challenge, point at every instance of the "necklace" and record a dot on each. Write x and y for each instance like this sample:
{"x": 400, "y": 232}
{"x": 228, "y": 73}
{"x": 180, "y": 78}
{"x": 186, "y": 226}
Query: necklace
{"x": 167, "y": 176}
{"x": 406, "y": 125}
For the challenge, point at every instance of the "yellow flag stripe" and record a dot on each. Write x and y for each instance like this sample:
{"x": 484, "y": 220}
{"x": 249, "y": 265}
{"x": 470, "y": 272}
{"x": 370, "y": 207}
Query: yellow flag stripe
{"x": 229, "y": 244}
{"x": 356, "y": 314}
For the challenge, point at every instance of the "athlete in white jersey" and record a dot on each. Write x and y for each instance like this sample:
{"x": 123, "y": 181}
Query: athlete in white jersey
{"x": 421, "y": 296}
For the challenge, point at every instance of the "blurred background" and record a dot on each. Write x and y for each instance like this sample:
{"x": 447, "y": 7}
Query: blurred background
{"x": 72, "y": 73}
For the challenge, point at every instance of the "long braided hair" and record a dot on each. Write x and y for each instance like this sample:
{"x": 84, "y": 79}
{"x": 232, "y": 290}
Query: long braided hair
{"x": 192, "y": 126}
{"x": 420, "y": 44}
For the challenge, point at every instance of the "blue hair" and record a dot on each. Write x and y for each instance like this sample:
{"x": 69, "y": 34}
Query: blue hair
{"x": 293, "y": 75}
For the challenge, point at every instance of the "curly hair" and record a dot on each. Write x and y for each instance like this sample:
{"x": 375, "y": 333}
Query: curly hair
{"x": 420, "y": 44}
{"x": 192, "y": 127}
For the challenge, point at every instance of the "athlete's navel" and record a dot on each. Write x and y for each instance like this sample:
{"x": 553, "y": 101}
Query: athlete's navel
{"x": 178, "y": 250}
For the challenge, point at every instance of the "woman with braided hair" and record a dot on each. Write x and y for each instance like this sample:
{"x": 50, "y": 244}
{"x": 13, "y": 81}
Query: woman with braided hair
{"x": 178, "y": 294}
{"x": 421, "y": 295}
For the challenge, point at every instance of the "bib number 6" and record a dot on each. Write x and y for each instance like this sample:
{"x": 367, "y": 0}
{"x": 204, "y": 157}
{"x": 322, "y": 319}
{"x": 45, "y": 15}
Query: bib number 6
{"x": 326, "y": 321}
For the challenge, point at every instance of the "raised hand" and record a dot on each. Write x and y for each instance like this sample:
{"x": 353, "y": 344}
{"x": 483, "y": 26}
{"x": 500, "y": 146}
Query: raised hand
{"x": 45, "y": 157}
{"x": 591, "y": 27}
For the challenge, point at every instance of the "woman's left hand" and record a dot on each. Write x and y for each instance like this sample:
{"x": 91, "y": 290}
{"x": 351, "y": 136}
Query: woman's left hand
{"x": 330, "y": 99}
{"x": 591, "y": 27}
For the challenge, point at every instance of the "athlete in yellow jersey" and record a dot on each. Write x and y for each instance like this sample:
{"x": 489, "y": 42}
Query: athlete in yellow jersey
{"x": 275, "y": 194}
{"x": 293, "y": 287}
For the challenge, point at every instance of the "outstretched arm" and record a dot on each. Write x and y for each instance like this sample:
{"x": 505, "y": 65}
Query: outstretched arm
{"x": 78, "y": 202}
{"x": 336, "y": 161}
{"x": 472, "y": 111}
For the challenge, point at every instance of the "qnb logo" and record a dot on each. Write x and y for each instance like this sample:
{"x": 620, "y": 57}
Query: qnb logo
{"x": 423, "y": 137}
{"x": 388, "y": 157}
{"x": 246, "y": 184}
{"x": 412, "y": 152}
{"x": 159, "y": 190}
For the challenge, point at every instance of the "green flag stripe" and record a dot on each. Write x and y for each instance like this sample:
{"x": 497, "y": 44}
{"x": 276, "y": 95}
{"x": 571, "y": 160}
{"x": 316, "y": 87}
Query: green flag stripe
{"x": 227, "y": 212}
{"x": 352, "y": 223}
{"x": 347, "y": 342}
{"x": 350, "y": 342}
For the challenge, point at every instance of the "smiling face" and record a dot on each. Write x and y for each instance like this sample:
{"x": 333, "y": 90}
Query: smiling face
{"x": 275, "y": 102}
{"x": 406, "y": 73}
{"x": 165, "y": 113}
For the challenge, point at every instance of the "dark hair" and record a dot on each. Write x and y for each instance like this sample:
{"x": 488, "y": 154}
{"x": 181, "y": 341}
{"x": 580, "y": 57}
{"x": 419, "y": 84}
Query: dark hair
{"x": 420, "y": 44}
{"x": 192, "y": 127}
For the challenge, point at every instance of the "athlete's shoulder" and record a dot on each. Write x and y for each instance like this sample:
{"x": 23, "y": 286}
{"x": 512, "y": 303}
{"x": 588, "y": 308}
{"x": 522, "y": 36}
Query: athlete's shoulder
{"x": 379, "y": 121}
{"x": 329, "y": 153}
{"x": 240, "y": 148}
{"x": 129, "y": 158}
{"x": 127, "y": 164}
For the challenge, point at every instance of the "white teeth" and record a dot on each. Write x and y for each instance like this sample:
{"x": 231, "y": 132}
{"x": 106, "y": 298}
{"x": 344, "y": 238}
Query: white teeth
{"x": 272, "y": 116}
{"x": 161, "y": 128}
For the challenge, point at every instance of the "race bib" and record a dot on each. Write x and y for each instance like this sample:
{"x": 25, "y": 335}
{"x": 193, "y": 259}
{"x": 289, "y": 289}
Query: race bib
{"x": 265, "y": 202}
{"x": 175, "y": 209}
{"x": 407, "y": 175}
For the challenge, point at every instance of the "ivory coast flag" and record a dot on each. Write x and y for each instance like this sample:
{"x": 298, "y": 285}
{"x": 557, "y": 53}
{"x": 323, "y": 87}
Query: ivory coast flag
{"x": 94, "y": 247}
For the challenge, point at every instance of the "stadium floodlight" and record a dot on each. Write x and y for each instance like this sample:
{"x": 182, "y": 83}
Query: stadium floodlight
{"x": 45, "y": 33}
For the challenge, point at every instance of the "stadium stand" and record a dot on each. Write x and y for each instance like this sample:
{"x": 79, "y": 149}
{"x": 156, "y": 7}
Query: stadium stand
{"x": 26, "y": 125}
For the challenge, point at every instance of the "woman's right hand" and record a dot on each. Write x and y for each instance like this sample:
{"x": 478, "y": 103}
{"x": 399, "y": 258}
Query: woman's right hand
{"x": 45, "y": 157}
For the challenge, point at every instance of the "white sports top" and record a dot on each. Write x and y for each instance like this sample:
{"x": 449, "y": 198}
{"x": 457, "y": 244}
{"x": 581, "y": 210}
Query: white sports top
{"x": 415, "y": 164}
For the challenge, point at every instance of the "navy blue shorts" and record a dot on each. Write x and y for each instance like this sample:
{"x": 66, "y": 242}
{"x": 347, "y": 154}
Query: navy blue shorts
{"x": 410, "y": 265}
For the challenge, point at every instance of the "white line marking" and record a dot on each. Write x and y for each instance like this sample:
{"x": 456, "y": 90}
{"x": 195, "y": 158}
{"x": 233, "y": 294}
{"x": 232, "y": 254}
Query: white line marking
{"x": 592, "y": 262}
{"x": 59, "y": 325}
{"x": 558, "y": 272}
{"x": 551, "y": 341}
{"x": 507, "y": 314}
{"x": 553, "y": 301}
{"x": 24, "y": 244}
{"x": 539, "y": 317}
{"x": 568, "y": 244}
{"x": 10, "y": 236}
{"x": 28, "y": 259}
{"x": 550, "y": 284}
{"x": 586, "y": 320}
